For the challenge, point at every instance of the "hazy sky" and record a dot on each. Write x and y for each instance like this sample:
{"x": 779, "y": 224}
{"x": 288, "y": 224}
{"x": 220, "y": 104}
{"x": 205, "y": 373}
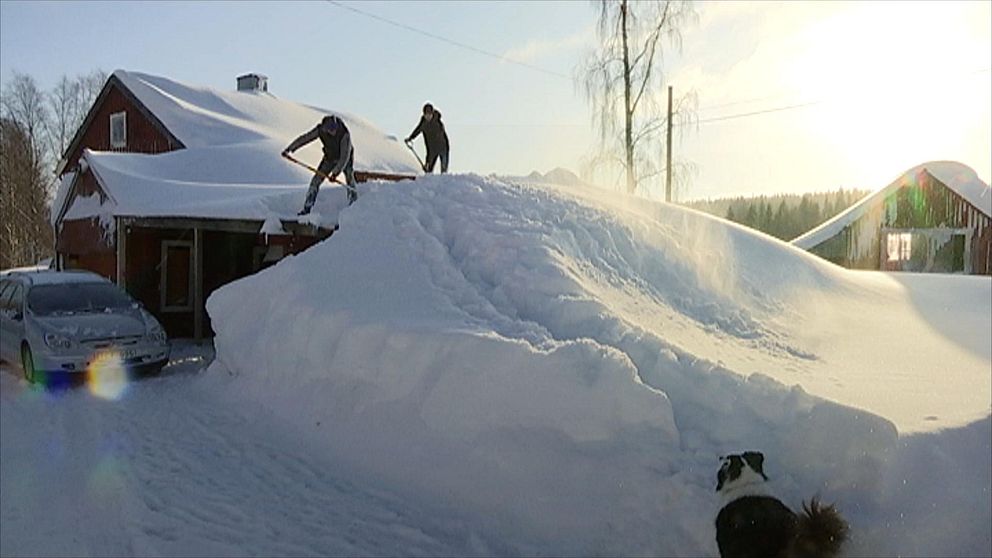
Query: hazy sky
{"x": 885, "y": 86}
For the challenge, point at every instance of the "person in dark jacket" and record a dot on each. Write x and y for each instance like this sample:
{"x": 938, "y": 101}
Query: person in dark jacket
{"x": 435, "y": 138}
{"x": 339, "y": 155}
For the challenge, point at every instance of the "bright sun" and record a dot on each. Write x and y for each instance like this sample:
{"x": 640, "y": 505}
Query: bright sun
{"x": 903, "y": 82}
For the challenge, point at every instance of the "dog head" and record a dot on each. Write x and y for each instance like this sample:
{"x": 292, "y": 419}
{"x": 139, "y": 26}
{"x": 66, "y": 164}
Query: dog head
{"x": 740, "y": 470}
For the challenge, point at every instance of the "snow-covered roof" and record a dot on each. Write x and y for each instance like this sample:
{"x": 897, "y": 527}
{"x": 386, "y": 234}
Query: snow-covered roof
{"x": 231, "y": 166}
{"x": 960, "y": 178}
{"x": 204, "y": 117}
{"x": 247, "y": 181}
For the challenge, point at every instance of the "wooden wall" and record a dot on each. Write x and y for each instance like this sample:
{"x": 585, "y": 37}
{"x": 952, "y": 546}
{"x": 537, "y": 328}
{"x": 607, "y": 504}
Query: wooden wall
{"x": 925, "y": 208}
{"x": 143, "y": 135}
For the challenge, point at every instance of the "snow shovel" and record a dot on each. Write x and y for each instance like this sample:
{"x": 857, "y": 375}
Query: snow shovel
{"x": 422, "y": 167}
{"x": 325, "y": 175}
{"x": 312, "y": 169}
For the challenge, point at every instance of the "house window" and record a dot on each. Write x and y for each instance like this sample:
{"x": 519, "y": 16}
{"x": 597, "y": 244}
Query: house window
{"x": 177, "y": 276}
{"x": 900, "y": 247}
{"x": 118, "y": 130}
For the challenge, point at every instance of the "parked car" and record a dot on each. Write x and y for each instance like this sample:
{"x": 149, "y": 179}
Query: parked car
{"x": 60, "y": 321}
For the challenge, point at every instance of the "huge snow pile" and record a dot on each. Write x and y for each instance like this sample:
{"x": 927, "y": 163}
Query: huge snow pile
{"x": 569, "y": 367}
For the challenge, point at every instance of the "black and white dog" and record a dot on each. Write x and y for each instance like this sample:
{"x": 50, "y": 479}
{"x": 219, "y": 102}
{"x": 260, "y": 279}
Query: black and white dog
{"x": 753, "y": 523}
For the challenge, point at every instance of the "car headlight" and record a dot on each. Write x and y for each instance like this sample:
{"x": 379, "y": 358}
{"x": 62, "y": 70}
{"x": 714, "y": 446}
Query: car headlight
{"x": 56, "y": 341}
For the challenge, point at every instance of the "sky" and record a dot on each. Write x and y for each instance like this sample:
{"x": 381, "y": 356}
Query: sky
{"x": 843, "y": 94}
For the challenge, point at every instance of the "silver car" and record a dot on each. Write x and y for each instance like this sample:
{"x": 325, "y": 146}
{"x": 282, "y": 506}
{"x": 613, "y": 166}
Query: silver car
{"x": 61, "y": 321}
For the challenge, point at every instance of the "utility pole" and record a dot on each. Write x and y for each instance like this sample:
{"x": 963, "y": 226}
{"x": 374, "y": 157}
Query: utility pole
{"x": 668, "y": 155}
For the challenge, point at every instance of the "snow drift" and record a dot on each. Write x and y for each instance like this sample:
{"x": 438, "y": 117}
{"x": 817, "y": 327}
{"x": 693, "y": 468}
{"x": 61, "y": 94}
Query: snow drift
{"x": 569, "y": 366}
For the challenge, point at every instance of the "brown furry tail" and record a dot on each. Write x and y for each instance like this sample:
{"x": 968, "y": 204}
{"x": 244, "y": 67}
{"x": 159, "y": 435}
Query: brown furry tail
{"x": 820, "y": 531}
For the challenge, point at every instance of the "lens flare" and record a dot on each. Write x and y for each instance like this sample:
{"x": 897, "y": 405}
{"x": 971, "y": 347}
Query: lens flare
{"x": 107, "y": 375}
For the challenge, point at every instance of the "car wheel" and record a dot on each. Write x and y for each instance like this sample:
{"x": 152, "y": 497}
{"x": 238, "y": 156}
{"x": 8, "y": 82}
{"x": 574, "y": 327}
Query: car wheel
{"x": 27, "y": 363}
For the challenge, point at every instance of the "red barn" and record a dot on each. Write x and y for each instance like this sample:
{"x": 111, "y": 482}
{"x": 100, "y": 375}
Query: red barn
{"x": 173, "y": 190}
{"x": 936, "y": 217}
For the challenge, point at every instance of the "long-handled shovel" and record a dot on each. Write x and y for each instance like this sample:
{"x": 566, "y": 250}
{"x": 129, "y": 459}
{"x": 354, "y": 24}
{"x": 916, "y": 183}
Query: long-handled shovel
{"x": 312, "y": 169}
{"x": 350, "y": 188}
{"x": 422, "y": 167}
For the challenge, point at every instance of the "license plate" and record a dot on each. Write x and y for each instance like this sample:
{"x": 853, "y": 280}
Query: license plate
{"x": 128, "y": 353}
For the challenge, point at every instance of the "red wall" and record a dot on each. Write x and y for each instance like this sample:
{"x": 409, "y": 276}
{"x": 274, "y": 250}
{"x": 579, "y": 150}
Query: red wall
{"x": 142, "y": 135}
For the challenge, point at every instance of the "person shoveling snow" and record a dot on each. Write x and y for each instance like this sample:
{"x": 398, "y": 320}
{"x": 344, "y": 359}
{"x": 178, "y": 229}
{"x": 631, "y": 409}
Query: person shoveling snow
{"x": 435, "y": 138}
{"x": 339, "y": 155}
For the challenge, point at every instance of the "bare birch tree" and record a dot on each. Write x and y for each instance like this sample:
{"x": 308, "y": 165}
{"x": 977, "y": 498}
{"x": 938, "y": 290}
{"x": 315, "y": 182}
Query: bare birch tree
{"x": 35, "y": 130}
{"x": 25, "y": 234}
{"x": 624, "y": 82}
{"x": 24, "y": 105}
{"x": 68, "y": 103}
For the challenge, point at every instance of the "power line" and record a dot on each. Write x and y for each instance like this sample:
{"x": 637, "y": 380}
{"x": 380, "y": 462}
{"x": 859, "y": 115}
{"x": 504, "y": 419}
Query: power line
{"x": 757, "y": 112}
{"x": 756, "y": 99}
{"x": 448, "y": 41}
{"x": 741, "y": 102}
{"x": 561, "y": 75}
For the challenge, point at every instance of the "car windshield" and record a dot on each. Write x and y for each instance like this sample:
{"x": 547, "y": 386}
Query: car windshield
{"x": 70, "y": 298}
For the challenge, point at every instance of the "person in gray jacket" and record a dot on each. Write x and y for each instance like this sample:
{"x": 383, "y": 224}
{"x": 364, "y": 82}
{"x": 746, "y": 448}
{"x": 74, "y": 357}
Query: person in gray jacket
{"x": 435, "y": 138}
{"x": 339, "y": 155}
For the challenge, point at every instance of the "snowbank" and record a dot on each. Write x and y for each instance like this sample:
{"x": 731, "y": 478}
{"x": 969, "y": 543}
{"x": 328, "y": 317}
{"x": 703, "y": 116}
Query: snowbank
{"x": 570, "y": 367}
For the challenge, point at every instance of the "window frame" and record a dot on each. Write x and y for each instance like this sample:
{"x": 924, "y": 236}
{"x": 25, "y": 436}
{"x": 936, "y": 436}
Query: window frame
{"x": 903, "y": 243}
{"x": 122, "y": 117}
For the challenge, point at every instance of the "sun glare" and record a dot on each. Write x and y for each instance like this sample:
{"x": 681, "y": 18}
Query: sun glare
{"x": 107, "y": 376}
{"x": 888, "y": 91}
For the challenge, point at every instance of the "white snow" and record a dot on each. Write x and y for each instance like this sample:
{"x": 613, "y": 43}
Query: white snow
{"x": 557, "y": 360}
{"x": 70, "y": 276}
{"x": 92, "y": 206}
{"x": 272, "y": 226}
{"x": 204, "y": 117}
{"x": 960, "y": 178}
{"x": 60, "y": 195}
{"x": 479, "y": 366}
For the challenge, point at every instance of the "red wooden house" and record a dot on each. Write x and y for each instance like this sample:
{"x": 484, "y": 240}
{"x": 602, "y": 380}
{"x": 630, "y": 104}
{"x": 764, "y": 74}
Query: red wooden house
{"x": 173, "y": 190}
{"x": 936, "y": 217}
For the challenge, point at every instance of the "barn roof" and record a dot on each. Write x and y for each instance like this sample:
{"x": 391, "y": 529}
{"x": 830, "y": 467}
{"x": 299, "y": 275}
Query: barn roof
{"x": 959, "y": 178}
{"x": 231, "y": 165}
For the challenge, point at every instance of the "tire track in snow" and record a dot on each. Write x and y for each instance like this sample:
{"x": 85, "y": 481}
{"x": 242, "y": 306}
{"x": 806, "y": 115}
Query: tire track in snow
{"x": 186, "y": 476}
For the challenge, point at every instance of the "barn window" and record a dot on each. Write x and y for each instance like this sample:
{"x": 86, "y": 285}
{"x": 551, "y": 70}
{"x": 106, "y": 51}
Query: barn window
{"x": 118, "y": 130}
{"x": 177, "y": 276}
{"x": 900, "y": 246}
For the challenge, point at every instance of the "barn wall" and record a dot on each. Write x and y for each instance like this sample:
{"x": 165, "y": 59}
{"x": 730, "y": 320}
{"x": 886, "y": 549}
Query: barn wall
{"x": 932, "y": 213}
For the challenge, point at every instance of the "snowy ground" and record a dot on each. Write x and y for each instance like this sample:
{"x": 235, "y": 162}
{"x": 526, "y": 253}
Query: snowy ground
{"x": 166, "y": 471}
{"x": 473, "y": 366}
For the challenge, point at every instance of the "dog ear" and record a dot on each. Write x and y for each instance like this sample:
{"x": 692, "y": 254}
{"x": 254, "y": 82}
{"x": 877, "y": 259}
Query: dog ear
{"x": 756, "y": 460}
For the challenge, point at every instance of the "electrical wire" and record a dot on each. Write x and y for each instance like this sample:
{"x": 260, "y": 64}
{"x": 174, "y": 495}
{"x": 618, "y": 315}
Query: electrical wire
{"x": 447, "y": 40}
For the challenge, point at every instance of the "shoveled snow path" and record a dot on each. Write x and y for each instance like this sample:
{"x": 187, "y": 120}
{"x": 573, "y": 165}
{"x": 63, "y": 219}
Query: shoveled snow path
{"x": 167, "y": 471}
